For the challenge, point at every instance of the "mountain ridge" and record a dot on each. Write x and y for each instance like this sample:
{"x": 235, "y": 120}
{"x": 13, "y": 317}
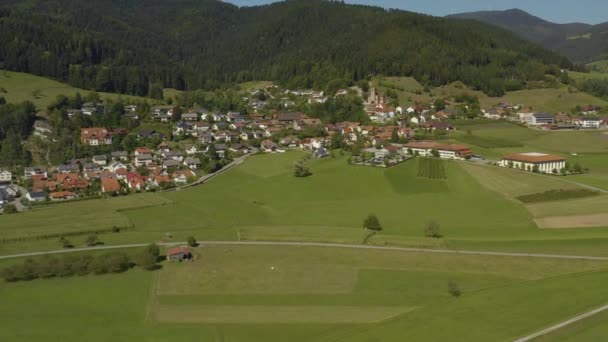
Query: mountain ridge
{"x": 129, "y": 46}
{"x": 582, "y": 43}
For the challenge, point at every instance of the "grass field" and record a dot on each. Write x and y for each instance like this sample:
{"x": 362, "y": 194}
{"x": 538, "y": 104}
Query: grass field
{"x": 250, "y": 202}
{"x": 293, "y": 293}
{"x": 431, "y": 168}
{"x": 43, "y": 91}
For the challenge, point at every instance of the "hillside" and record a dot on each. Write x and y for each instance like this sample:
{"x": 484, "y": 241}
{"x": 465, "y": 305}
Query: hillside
{"x": 580, "y": 42}
{"x": 138, "y": 46}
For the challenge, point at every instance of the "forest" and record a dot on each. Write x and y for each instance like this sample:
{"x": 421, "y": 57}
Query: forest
{"x": 140, "y": 46}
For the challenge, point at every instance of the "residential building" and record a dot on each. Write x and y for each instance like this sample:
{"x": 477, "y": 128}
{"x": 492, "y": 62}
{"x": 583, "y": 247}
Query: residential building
{"x": 100, "y": 160}
{"x": 539, "y": 119}
{"x": 61, "y": 196}
{"x": 534, "y": 161}
{"x": 28, "y": 172}
{"x": 5, "y": 176}
{"x": 95, "y": 136}
{"x": 586, "y": 122}
{"x": 39, "y": 196}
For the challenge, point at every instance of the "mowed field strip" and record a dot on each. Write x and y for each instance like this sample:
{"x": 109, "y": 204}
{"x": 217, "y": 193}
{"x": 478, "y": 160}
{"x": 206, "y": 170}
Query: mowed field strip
{"x": 276, "y": 314}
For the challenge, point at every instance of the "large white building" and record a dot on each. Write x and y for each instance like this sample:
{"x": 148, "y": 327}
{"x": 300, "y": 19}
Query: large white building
{"x": 590, "y": 122}
{"x": 5, "y": 176}
{"x": 446, "y": 151}
{"x": 545, "y": 163}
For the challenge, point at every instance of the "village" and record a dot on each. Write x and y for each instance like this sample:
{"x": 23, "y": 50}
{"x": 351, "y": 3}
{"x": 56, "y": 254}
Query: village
{"x": 203, "y": 142}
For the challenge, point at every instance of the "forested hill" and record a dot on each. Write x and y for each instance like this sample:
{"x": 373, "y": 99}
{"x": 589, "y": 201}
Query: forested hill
{"x": 137, "y": 46}
{"x": 580, "y": 42}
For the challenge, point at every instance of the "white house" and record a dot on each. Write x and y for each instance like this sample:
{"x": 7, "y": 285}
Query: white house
{"x": 5, "y": 176}
{"x": 590, "y": 122}
{"x": 534, "y": 161}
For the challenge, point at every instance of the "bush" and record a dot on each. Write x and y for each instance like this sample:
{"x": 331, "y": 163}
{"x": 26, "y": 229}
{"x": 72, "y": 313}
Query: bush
{"x": 301, "y": 170}
{"x": 92, "y": 240}
{"x": 453, "y": 289}
{"x": 10, "y": 209}
{"x": 148, "y": 257}
{"x": 556, "y": 195}
{"x": 432, "y": 230}
{"x": 372, "y": 223}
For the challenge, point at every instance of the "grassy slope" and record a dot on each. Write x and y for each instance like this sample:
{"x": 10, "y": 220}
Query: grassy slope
{"x": 552, "y": 100}
{"x": 502, "y": 299}
{"x": 251, "y": 202}
{"x": 21, "y": 87}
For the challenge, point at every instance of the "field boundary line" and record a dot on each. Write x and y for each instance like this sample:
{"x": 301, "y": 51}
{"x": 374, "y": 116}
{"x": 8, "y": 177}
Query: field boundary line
{"x": 319, "y": 244}
{"x": 563, "y": 324}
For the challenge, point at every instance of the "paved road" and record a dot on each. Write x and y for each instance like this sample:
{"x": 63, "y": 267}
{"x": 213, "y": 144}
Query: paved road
{"x": 563, "y": 324}
{"x": 319, "y": 244}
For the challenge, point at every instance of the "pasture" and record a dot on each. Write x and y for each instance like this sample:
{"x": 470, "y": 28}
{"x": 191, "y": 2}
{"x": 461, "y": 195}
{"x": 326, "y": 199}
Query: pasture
{"x": 306, "y": 294}
{"x": 262, "y": 200}
{"x": 43, "y": 91}
{"x": 431, "y": 168}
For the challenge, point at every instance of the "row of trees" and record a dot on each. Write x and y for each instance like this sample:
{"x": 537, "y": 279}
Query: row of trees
{"x": 372, "y": 223}
{"x": 73, "y": 265}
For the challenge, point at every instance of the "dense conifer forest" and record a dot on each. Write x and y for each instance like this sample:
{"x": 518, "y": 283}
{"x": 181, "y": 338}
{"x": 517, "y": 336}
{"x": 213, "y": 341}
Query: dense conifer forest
{"x": 139, "y": 46}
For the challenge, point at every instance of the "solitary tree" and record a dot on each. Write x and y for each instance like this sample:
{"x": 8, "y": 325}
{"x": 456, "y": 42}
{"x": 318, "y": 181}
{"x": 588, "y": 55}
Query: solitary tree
{"x": 578, "y": 168}
{"x": 432, "y": 230}
{"x": 192, "y": 241}
{"x": 372, "y": 223}
{"x": 92, "y": 240}
{"x": 65, "y": 243}
{"x": 301, "y": 170}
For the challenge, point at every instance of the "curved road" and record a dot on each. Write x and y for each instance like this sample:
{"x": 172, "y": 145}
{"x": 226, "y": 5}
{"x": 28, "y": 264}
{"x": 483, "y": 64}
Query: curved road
{"x": 317, "y": 244}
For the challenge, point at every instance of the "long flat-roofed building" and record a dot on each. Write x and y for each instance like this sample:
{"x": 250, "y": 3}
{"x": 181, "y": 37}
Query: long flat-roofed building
{"x": 531, "y": 161}
{"x": 446, "y": 151}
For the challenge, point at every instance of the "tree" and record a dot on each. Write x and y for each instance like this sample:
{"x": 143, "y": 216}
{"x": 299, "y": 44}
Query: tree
{"x": 177, "y": 113}
{"x": 301, "y": 170}
{"x": 65, "y": 243}
{"x": 395, "y": 135}
{"x": 432, "y": 230}
{"x": 148, "y": 257}
{"x": 435, "y": 153}
{"x": 410, "y": 151}
{"x": 439, "y": 104}
{"x": 92, "y": 240}
{"x": 192, "y": 241}
{"x": 535, "y": 169}
{"x": 454, "y": 289}
{"x": 578, "y": 168}
{"x": 372, "y": 223}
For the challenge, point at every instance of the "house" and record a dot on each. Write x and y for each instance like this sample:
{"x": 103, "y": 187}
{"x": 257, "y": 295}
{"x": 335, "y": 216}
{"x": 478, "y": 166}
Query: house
{"x": 142, "y": 150}
{"x": 182, "y": 176}
{"x": 174, "y": 155}
{"x": 100, "y": 160}
{"x": 135, "y": 181}
{"x": 539, "y": 119}
{"x": 163, "y": 147}
{"x": 167, "y": 163}
{"x": 446, "y": 151}
{"x": 454, "y": 151}
{"x": 61, "y": 196}
{"x": 5, "y": 176}
{"x": 95, "y": 136}
{"x": 178, "y": 253}
{"x": 114, "y": 166}
{"x": 191, "y": 150}
{"x": 590, "y": 110}
{"x": 3, "y": 198}
{"x": 588, "y": 122}
{"x": 190, "y": 117}
{"x": 42, "y": 129}
{"x": 28, "y": 172}
{"x": 71, "y": 181}
{"x": 120, "y": 155}
{"x": 534, "y": 161}
{"x": 320, "y": 153}
{"x": 268, "y": 146}
{"x": 240, "y": 148}
{"x": 143, "y": 159}
{"x": 91, "y": 167}
{"x": 109, "y": 184}
{"x": 38, "y": 196}
{"x": 192, "y": 163}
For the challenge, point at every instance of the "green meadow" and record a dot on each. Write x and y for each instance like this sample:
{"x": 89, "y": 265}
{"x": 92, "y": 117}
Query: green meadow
{"x": 43, "y": 91}
{"x": 258, "y": 293}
